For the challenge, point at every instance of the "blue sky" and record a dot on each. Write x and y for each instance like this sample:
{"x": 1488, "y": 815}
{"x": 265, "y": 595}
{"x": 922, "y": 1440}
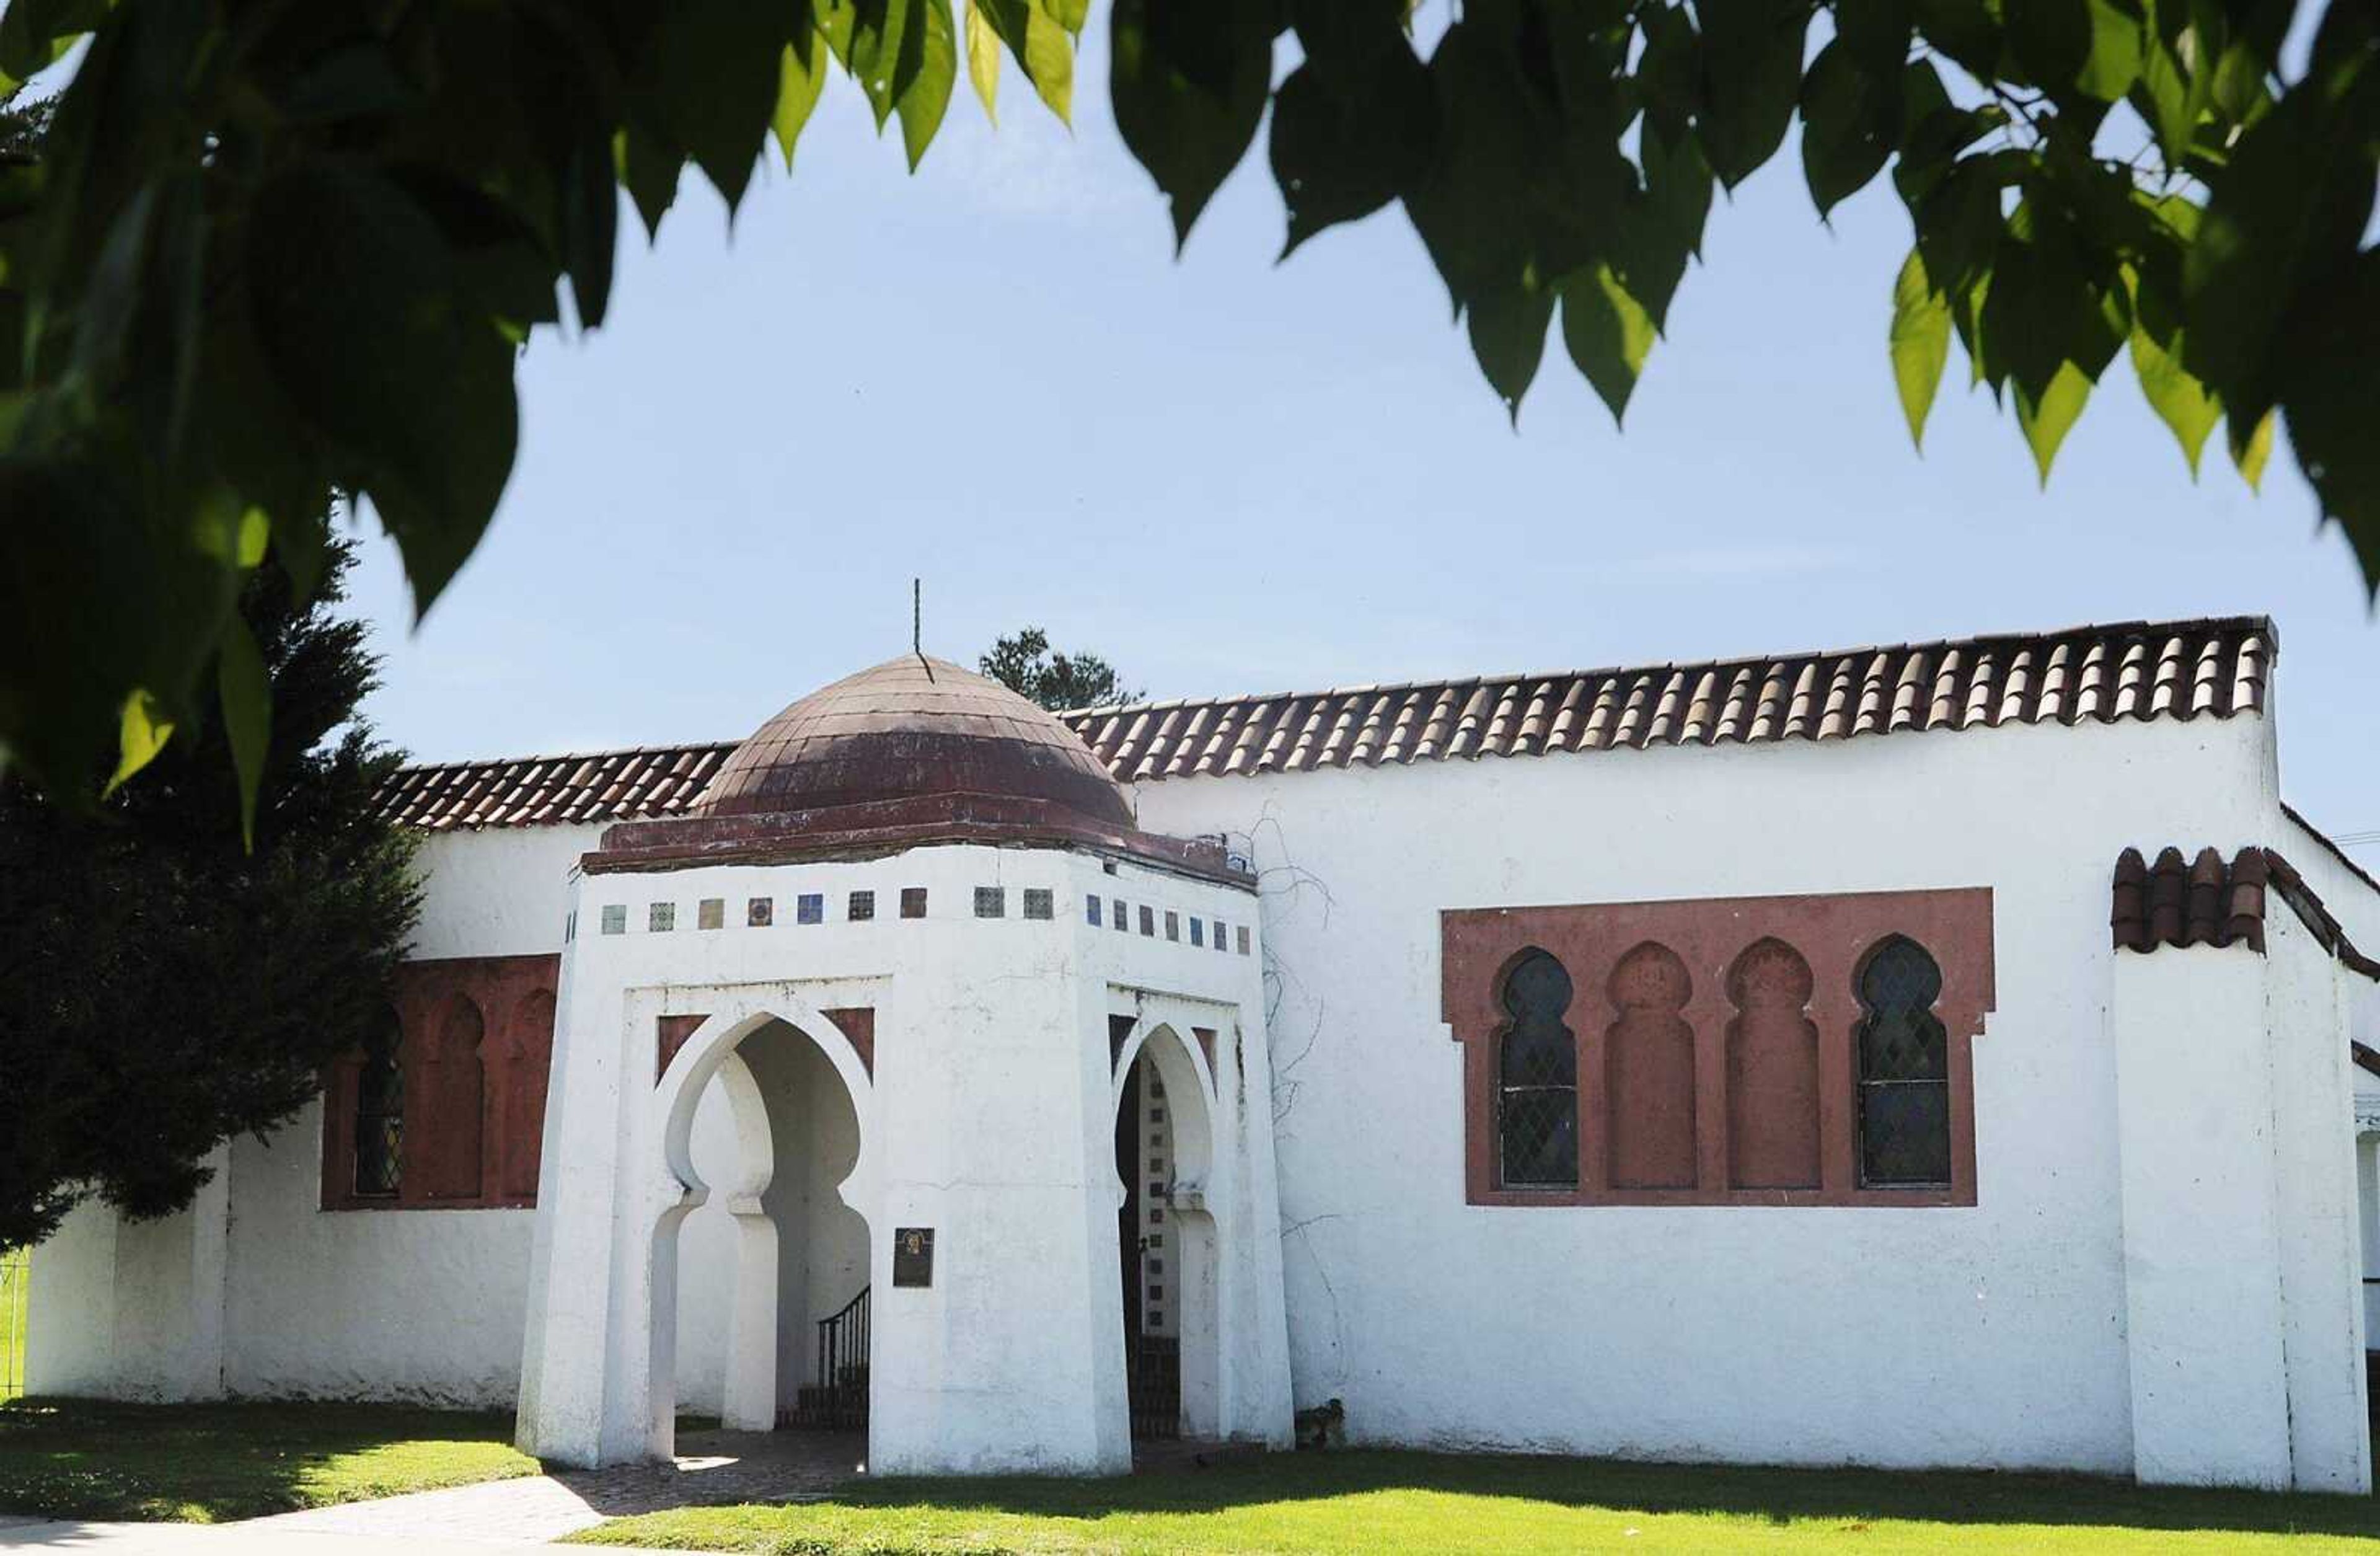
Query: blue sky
{"x": 1232, "y": 476}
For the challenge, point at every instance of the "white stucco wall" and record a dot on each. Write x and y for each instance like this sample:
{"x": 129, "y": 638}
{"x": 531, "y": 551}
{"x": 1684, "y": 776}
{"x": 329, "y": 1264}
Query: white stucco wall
{"x": 420, "y": 1304}
{"x": 497, "y": 893}
{"x": 1990, "y": 1335}
{"x": 132, "y": 1310}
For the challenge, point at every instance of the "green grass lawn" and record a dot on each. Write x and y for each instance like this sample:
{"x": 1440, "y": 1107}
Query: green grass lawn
{"x": 1369, "y": 1502}
{"x": 14, "y": 1277}
{"x": 208, "y": 1462}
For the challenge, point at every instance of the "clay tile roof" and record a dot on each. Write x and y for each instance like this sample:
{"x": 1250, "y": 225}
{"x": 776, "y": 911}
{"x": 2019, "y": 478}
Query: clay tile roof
{"x": 2207, "y": 901}
{"x": 546, "y": 791}
{"x": 2212, "y": 901}
{"x": 2210, "y": 668}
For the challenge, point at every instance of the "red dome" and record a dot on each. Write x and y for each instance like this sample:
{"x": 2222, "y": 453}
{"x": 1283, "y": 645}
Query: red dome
{"x": 909, "y": 728}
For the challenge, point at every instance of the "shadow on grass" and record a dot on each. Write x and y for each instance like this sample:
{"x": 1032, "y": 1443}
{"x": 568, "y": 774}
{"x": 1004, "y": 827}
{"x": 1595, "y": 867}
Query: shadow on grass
{"x": 1777, "y": 1495}
{"x": 208, "y": 1462}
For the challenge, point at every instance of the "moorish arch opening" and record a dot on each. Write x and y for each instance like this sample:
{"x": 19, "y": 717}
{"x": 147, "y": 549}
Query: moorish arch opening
{"x": 764, "y": 1266}
{"x": 1166, "y": 1236}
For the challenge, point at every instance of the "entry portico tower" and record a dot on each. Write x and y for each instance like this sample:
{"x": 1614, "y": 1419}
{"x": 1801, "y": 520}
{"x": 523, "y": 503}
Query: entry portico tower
{"x": 929, "y": 889}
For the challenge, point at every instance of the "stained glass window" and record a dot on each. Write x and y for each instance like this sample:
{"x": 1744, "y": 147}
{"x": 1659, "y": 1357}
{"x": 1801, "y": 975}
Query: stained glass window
{"x": 380, "y": 1115}
{"x": 1903, "y": 1053}
{"x": 1537, "y": 1079}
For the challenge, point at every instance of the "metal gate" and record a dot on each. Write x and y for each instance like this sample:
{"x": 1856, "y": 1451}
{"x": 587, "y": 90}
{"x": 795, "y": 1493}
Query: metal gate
{"x": 15, "y": 1287}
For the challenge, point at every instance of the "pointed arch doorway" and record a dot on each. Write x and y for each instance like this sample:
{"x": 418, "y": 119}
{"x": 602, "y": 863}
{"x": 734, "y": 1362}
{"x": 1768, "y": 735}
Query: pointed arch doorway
{"x": 1165, "y": 1232}
{"x": 763, "y": 1249}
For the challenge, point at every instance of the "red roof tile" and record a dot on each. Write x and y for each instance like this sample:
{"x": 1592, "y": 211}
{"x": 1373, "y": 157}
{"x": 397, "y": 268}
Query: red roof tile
{"x": 2209, "y": 900}
{"x": 544, "y": 791}
{"x": 2089, "y": 675}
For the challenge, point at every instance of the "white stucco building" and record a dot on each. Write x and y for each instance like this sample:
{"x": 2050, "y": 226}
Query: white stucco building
{"x": 1932, "y": 1055}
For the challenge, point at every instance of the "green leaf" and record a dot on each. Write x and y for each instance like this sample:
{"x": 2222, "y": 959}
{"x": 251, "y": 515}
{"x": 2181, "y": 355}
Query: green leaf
{"x": 145, "y": 730}
{"x": 591, "y": 224}
{"x": 2052, "y": 304}
{"x": 649, "y": 171}
{"x": 1958, "y": 229}
{"x": 2248, "y": 454}
{"x": 248, "y": 717}
{"x": 2283, "y": 219}
{"x": 1751, "y": 76}
{"x": 2077, "y": 49}
{"x": 1849, "y": 119}
{"x": 983, "y": 59}
{"x": 928, "y": 95}
{"x": 1965, "y": 32}
{"x": 36, "y": 35}
{"x": 2187, "y": 407}
{"x": 346, "y": 270}
{"x": 2180, "y": 400}
{"x": 1349, "y": 135}
{"x": 2176, "y": 83}
{"x": 1508, "y": 336}
{"x": 301, "y": 542}
{"x": 1189, "y": 79}
{"x": 1042, "y": 44}
{"x": 1921, "y": 342}
{"x": 2332, "y": 403}
{"x": 2048, "y": 414}
{"x": 1661, "y": 229}
{"x": 1668, "y": 72}
{"x": 880, "y": 56}
{"x": 801, "y": 77}
{"x": 716, "y": 81}
{"x": 1608, "y": 335}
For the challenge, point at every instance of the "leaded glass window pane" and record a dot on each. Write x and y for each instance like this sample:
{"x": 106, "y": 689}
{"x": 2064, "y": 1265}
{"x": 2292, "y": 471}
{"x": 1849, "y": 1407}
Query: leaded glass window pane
{"x": 1537, "y": 1079}
{"x": 380, "y": 1116}
{"x": 1904, "y": 1070}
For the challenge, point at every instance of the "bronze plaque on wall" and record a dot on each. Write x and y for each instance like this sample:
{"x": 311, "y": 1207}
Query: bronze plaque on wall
{"x": 913, "y": 1255}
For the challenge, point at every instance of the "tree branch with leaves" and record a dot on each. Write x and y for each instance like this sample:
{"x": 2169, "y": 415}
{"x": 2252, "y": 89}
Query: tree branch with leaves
{"x": 269, "y": 252}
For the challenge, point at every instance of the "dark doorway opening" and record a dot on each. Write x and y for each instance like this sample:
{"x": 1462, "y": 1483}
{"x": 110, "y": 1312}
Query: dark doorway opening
{"x": 1152, "y": 1355}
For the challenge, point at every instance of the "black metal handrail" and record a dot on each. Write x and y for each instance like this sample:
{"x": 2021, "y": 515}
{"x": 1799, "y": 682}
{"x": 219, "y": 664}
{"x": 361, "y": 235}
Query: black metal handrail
{"x": 842, "y": 1344}
{"x": 838, "y": 1401}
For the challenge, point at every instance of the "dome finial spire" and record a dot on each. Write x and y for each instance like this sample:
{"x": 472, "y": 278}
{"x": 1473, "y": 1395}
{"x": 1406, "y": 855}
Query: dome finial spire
{"x": 918, "y": 624}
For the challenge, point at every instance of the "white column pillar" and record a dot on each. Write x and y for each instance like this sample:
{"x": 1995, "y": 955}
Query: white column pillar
{"x": 573, "y": 1272}
{"x": 2204, "y": 1313}
{"x": 2321, "y": 1274}
{"x": 992, "y": 1111}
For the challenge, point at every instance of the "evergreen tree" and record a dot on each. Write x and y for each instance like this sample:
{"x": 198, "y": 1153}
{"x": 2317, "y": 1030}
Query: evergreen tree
{"x": 164, "y": 986}
{"x": 1059, "y": 682}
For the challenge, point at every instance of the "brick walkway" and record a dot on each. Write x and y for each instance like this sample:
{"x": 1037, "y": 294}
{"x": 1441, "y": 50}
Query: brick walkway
{"x": 711, "y": 1467}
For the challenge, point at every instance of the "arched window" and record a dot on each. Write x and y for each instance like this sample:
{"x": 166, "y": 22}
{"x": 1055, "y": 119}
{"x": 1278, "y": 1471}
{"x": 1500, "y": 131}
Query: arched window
{"x": 1648, "y": 1064}
{"x": 453, "y": 1088}
{"x": 1537, "y": 1079}
{"x": 1772, "y": 1070}
{"x": 380, "y": 1114}
{"x": 1904, "y": 1054}
{"x": 528, "y": 1059}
